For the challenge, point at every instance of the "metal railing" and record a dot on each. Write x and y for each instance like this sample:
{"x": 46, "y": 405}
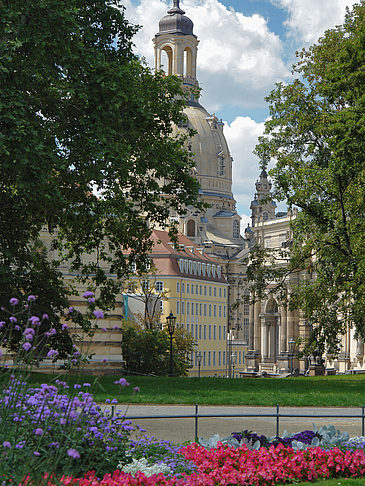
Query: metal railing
{"x": 276, "y": 415}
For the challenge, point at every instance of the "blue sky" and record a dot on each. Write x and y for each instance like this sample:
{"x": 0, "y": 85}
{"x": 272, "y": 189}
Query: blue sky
{"x": 246, "y": 46}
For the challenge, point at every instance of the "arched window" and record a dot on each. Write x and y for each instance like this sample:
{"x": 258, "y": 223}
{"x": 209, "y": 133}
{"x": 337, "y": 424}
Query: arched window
{"x": 188, "y": 68}
{"x": 190, "y": 228}
{"x": 166, "y": 60}
{"x": 236, "y": 229}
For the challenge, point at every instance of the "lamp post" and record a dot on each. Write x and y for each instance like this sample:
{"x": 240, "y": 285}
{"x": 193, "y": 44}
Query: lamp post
{"x": 170, "y": 320}
{"x": 199, "y": 360}
{"x": 291, "y": 352}
{"x": 233, "y": 361}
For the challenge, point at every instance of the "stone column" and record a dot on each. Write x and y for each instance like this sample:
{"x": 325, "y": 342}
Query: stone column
{"x": 251, "y": 344}
{"x": 283, "y": 331}
{"x": 257, "y": 326}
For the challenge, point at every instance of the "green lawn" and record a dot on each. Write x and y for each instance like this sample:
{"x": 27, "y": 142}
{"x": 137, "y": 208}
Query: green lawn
{"x": 334, "y": 391}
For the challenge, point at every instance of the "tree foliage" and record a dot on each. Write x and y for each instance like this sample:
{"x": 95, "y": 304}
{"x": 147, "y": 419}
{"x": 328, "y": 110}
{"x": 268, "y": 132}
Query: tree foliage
{"x": 146, "y": 350}
{"x": 316, "y": 135}
{"x": 85, "y": 148}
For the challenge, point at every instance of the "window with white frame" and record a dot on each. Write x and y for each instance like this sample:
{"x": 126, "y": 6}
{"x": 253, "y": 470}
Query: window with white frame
{"x": 246, "y": 328}
{"x": 177, "y": 307}
{"x": 161, "y": 306}
{"x": 246, "y": 302}
{"x": 177, "y": 287}
{"x": 188, "y": 308}
{"x": 159, "y": 286}
{"x": 145, "y": 285}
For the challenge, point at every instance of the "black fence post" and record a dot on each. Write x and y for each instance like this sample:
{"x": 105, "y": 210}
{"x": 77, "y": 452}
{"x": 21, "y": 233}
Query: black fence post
{"x": 277, "y": 420}
{"x": 362, "y": 420}
{"x": 196, "y": 421}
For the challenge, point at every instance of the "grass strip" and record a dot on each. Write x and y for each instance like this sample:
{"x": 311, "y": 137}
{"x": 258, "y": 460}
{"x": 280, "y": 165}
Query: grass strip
{"x": 322, "y": 391}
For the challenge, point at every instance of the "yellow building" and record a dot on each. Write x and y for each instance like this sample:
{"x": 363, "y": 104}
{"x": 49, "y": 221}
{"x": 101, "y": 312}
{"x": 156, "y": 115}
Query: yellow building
{"x": 194, "y": 288}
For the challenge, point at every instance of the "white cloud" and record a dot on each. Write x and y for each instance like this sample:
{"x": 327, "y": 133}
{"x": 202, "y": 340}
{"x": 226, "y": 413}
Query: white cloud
{"x": 239, "y": 58}
{"x": 242, "y": 136}
{"x": 309, "y": 19}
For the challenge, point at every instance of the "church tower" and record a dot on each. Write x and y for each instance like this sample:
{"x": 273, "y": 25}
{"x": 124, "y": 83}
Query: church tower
{"x": 218, "y": 227}
{"x": 262, "y": 207}
{"x": 176, "y": 41}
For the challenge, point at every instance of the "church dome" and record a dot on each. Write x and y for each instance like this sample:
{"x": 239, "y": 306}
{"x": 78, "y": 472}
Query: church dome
{"x": 211, "y": 153}
{"x": 175, "y": 22}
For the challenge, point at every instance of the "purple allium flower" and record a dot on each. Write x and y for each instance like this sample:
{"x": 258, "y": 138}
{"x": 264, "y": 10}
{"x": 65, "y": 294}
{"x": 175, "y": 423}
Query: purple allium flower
{"x": 45, "y": 317}
{"x": 2, "y": 324}
{"x": 38, "y": 431}
{"x": 88, "y": 294}
{"x": 121, "y": 382}
{"x": 73, "y": 453}
{"x": 64, "y": 327}
{"x": 86, "y": 384}
{"x": 14, "y": 301}
{"x": 136, "y": 389}
{"x": 107, "y": 400}
{"x": 115, "y": 328}
{"x": 6, "y": 444}
{"x": 70, "y": 310}
{"x": 98, "y": 314}
{"x": 114, "y": 400}
{"x": 13, "y": 319}
{"x": 52, "y": 353}
{"x": 34, "y": 320}
{"x": 104, "y": 329}
{"x": 31, "y": 298}
{"x": 76, "y": 385}
{"x": 17, "y": 328}
{"x": 105, "y": 360}
{"x": 26, "y": 346}
{"x": 36, "y": 453}
{"x": 91, "y": 300}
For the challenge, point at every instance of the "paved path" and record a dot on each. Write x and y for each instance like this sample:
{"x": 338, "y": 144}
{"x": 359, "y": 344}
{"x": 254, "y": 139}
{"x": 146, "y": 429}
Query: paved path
{"x": 179, "y": 430}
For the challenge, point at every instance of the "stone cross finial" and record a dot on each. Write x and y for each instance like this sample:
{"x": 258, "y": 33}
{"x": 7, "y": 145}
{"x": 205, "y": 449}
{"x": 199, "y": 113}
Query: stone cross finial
{"x": 176, "y": 4}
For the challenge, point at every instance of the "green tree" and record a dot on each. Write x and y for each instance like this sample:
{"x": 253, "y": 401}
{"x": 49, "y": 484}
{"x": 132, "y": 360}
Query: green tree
{"x": 85, "y": 149}
{"x": 146, "y": 350}
{"x": 316, "y": 135}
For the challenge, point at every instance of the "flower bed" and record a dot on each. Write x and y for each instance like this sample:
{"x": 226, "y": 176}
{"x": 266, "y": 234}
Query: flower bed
{"x": 225, "y": 465}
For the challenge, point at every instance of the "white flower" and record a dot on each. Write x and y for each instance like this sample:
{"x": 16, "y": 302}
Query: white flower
{"x": 143, "y": 466}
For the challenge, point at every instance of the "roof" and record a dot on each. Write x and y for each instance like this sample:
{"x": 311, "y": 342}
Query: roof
{"x": 185, "y": 260}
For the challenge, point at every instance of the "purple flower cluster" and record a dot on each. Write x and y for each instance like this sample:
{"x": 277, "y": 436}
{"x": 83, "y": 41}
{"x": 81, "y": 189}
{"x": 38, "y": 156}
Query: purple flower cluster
{"x": 157, "y": 451}
{"x": 47, "y": 421}
{"x": 306, "y": 436}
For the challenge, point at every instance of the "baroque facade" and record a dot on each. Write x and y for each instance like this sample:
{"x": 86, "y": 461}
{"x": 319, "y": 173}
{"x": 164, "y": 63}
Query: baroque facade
{"x": 265, "y": 332}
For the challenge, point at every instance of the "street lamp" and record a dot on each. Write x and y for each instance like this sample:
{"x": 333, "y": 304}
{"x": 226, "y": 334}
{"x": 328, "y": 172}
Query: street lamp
{"x": 291, "y": 351}
{"x": 199, "y": 360}
{"x": 233, "y": 361}
{"x": 170, "y": 320}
